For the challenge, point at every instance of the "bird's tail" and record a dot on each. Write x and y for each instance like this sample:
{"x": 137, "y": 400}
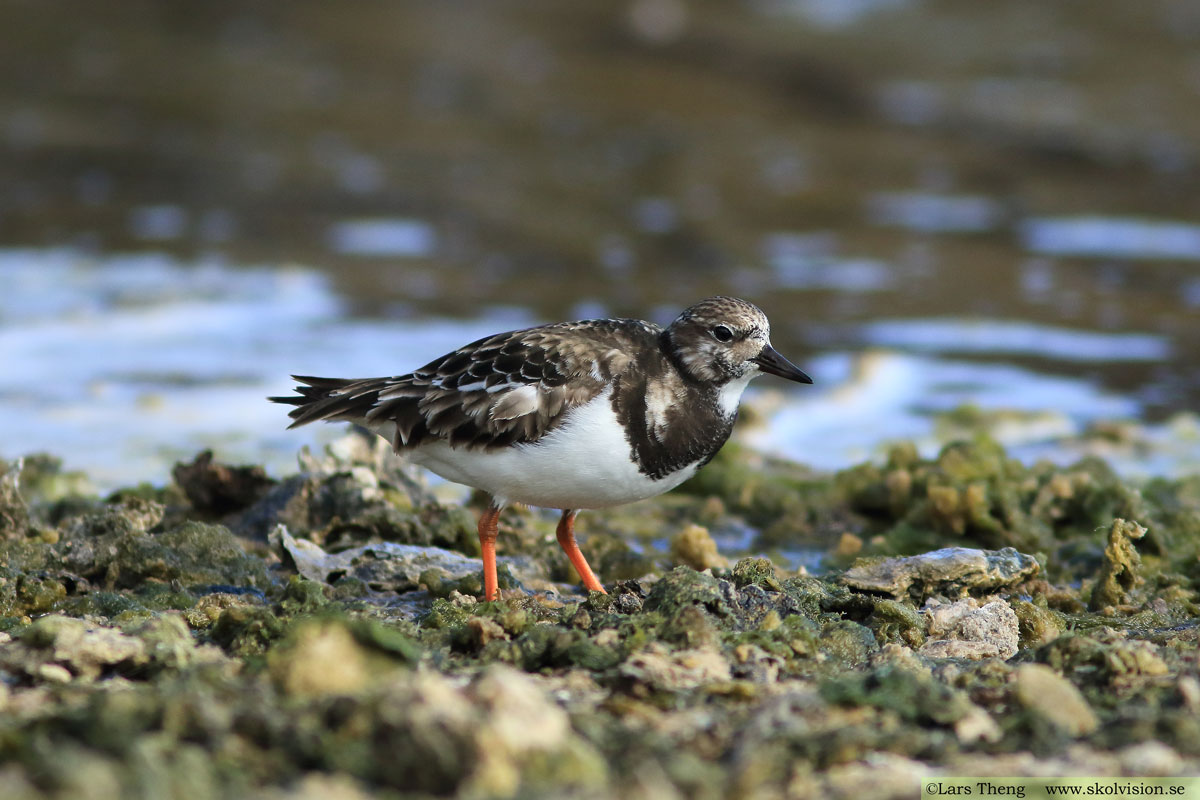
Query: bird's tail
{"x": 331, "y": 399}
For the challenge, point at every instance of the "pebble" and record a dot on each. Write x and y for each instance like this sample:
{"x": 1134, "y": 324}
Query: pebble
{"x": 1052, "y": 697}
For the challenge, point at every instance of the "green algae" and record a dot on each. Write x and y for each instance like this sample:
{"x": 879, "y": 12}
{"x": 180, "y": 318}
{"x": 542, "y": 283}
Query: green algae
{"x": 1121, "y": 571}
{"x": 153, "y": 634}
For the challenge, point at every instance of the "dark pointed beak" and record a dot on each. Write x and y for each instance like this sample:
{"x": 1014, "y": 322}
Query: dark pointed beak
{"x": 771, "y": 362}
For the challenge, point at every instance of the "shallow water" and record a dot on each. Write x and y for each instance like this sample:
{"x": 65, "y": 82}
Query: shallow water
{"x": 936, "y": 204}
{"x": 126, "y": 364}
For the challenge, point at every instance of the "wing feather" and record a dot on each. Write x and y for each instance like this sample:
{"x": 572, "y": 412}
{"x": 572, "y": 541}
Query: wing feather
{"x": 503, "y": 389}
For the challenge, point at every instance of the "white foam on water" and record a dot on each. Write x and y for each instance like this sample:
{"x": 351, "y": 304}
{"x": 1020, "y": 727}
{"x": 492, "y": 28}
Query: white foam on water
{"x": 934, "y": 213}
{"x": 383, "y": 238}
{"x": 1014, "y": 337}
{"x": 809, "y": 260}
{"x": 1112, "y": 237}
{"x": 863, "y": 402}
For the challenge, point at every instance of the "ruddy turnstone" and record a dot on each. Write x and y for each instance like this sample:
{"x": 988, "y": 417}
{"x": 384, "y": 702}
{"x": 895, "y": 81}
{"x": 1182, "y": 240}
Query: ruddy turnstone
{"x": 572, "y": 415}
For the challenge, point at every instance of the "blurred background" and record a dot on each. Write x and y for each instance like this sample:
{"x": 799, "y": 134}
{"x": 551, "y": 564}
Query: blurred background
{"x": 959, "y": 216}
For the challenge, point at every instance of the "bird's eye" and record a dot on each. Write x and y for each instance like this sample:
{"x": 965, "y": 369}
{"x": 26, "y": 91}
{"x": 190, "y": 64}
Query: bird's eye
{"x": 722, "y": 333}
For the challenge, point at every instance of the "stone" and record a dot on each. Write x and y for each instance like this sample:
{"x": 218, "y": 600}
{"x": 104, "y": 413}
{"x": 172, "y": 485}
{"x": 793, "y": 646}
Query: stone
{"x": 966, "y": 629}
{"x": 953, "y": 571}
{"x": 57, "y": 648}
{"x": 1055, "y": 699}
{"x": 397, "y": 567}
{"x": 676, "y": 671}
{"x": 218, "y": 489}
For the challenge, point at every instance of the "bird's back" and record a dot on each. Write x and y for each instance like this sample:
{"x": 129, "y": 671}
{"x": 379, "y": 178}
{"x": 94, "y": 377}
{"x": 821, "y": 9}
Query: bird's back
{"x": 505, "y": 389}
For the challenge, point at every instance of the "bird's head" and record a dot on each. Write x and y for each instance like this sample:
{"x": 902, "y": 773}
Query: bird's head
{"x": 724, "y": 339}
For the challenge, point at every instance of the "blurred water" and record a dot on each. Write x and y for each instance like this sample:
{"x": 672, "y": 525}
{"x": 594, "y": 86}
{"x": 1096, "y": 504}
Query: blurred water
{"x": 936, "y": 204}
{"x": 124, "y": 364}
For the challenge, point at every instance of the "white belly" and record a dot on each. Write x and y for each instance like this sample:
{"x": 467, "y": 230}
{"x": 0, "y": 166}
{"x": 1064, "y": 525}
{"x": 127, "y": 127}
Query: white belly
{"x": 583, "y": 463}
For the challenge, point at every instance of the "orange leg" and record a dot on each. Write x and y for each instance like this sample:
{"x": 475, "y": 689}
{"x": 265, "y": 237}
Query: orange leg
{"x": 488, "y": 523}
{"x": 566, "y": 540}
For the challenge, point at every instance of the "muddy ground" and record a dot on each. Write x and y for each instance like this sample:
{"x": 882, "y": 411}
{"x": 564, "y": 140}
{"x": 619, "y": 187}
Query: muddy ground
{"x": 767, "y": 632}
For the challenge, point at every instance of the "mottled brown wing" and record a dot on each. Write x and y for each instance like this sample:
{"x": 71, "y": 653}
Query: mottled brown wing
{"x": 503, "y": 389}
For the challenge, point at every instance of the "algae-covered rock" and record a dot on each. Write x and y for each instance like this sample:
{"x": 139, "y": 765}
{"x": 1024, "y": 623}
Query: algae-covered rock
{"x": 1048, "y": 695}
{"x": 217, "y": 489}
{"x": 350, "y": 506}
{"x": 327, "y": 658}
{"x": 14, "y": 515}
{"x": 192, "y": 554}
{"x": 683, "y": 587}
{"x": 246, "y": 630}
{"x": 122, "y": 546}
{"x": 395, "y": 567}
{"x": 756, "y": 572}
{"x": 694, "y": 547}
{"x": 1037, "y": 624}
{"x": 169, "y": 645}
{"x": 180, "y": 659}
{"x": 915, "y": 696}
{"x": 58, "y": 648}
{"x": 681, "y": 670}
{"x": 500, "y": 736}
{"x": 967, "y": 629}
{"x": 952, "y": 571}
{"x": 1119, "y": 574}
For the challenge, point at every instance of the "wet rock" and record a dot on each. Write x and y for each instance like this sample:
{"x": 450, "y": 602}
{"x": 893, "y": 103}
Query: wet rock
{"x": 1048, "y": 695}
{"x": 216, "y": 489}
{"x": 740, "y": 682}
{"x": 1119, "y": 574}
{"x": 953, "y": 571}
{"x": 694, "y": 547}
{"x": 395, "y": 567}
{"x": 966, "y": 629}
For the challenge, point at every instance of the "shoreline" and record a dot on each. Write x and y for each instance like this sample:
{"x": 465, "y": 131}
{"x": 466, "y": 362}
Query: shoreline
{"x": 318, "y": 635}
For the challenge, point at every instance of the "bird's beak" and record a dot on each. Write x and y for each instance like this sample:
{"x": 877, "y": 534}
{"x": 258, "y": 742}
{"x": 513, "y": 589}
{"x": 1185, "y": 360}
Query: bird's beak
{"x": 771, "y": 362}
